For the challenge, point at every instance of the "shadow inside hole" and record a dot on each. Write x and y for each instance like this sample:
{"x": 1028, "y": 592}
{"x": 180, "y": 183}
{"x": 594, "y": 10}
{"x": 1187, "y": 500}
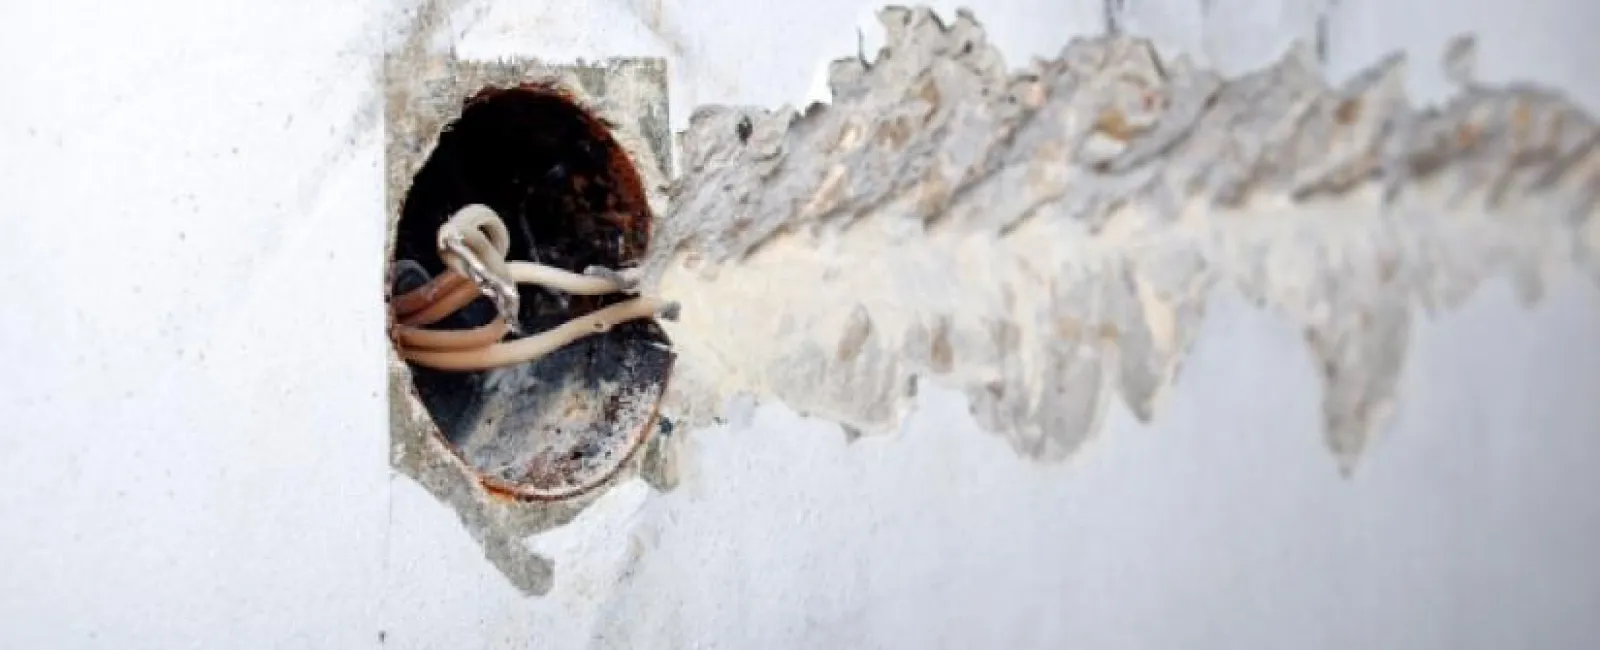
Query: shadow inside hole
{"x": 570, "y": 198}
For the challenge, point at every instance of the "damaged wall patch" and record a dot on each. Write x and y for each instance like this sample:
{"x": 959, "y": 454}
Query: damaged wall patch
{"x": 556, "y": 154}
{"x": 1041, "y": 239}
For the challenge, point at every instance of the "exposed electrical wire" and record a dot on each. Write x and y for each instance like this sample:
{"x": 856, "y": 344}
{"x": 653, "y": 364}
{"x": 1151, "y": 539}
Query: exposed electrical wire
{"x": 474, "y": 243}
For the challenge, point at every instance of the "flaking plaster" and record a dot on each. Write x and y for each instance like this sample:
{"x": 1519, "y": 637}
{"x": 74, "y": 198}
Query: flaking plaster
{"x": 1044, "y": 239}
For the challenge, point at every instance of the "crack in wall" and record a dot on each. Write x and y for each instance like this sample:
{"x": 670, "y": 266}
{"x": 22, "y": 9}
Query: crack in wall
{"x": 1044, "y": 238}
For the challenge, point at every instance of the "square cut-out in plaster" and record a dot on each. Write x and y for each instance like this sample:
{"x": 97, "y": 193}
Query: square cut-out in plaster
{"x": 424, "y": 97}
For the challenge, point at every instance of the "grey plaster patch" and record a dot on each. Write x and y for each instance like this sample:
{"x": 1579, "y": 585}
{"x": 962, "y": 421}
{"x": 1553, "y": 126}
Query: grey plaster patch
{"x": 424, "y": 90}
{"x": 1044, "y": 237}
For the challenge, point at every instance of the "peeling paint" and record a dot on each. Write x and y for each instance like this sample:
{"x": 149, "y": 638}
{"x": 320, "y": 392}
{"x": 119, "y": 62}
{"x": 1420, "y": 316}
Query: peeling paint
{"x": 1041, "y": 239}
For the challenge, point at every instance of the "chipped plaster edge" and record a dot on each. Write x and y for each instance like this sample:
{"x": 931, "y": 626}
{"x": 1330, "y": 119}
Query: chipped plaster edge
{"x": 763, "y": 188}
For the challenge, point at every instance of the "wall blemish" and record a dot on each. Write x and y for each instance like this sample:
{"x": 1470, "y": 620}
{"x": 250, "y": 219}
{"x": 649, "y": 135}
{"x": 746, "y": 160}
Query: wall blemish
{"x": 1060, "y": 225}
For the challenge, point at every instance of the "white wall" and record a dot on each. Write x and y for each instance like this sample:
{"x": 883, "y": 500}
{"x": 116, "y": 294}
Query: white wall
{"x": 195, "y": 438}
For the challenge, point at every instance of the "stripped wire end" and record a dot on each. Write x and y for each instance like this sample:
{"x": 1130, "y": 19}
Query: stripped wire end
{"x": 494, "y": 286}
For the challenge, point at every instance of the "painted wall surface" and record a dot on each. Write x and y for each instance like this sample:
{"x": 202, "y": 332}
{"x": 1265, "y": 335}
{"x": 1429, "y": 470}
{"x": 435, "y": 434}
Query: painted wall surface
{"x": 196, "y": 428}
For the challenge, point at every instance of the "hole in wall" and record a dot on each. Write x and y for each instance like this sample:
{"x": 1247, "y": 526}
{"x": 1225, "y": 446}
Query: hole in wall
{"x": 570, "y": 198}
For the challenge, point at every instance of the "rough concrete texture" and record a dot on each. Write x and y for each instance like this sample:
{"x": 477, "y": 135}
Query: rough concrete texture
{"x": 1043, "y": 239}
{"x": 425, "y": 90}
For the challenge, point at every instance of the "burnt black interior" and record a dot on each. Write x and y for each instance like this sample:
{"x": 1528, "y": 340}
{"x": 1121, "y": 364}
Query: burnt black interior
{"x": 571, "y": 198}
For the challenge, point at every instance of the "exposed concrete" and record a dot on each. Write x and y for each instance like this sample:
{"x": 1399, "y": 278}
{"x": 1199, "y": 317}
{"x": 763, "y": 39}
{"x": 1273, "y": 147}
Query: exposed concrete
{"x": 1045, "y": 238}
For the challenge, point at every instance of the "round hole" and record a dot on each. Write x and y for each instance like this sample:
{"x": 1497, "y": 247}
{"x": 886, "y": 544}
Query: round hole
{"x": 571, "y": 198}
